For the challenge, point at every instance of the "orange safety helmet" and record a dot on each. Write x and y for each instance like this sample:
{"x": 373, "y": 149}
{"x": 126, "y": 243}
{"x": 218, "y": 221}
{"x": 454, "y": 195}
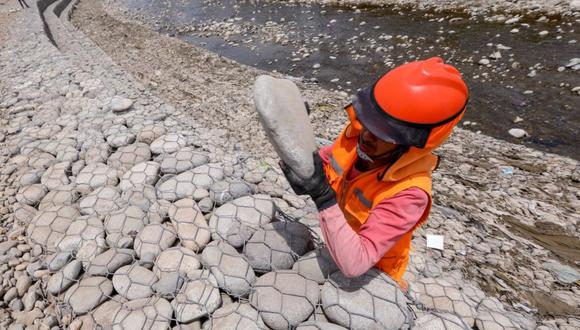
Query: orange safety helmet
{"x": 416, "y": 104}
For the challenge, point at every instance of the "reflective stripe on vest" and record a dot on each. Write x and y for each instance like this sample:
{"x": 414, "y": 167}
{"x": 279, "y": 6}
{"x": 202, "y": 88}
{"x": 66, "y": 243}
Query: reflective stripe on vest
{"x": 335, "y": 165}
{"x": 362, "y": 199}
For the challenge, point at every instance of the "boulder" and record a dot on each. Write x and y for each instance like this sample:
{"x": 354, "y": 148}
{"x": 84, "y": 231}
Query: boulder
{"x": 284, "y": 117}
{"x": 197, "y": 298}
{"x": 284, "y": 298}
{"x": 168, "y": 143}
{"x": 237, "y": 316}
{"x": 190, "y": 224}
{"x": 49, "y": 227}
{"x": 88, "y": 294}
{"x": 233, "y": 273}
{"x": 108, "y": 262}
{"x": 173, "y": 267}
{"x": 95, "y": 175}
{"x": 183, "y": 160}
{"x": 145, "y": 173}
{"x": 238, "y": 220}
{"x": 145, "y": 313}
{"x": 435, "y": 320}
{"x": 153, "y": 239}
{"x": 441, "y": 295}
{"x": 222, "y": 192}
{"x": 134, "y": 282}
{"x": 372, "y": 300}
{"x": 63, "y": 195}
{"x": 122, "y": 226}
{"x": 101, "y": 202}
{"x": 277, "y": 246}
{"x": 316, "y": 265}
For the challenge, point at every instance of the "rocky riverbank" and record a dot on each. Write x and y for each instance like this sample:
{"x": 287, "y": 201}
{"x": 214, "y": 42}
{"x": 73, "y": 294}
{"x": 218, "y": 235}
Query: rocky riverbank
{"x": 474, "y": 7}
{"x": 125, "y": 153}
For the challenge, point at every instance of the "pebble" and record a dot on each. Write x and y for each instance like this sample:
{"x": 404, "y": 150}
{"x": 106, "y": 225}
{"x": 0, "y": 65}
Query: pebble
{"x": 518, "y": 133}
{"x": 120, "y": 104}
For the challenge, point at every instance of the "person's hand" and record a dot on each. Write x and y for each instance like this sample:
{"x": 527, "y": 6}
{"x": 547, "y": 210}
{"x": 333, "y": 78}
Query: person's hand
{"x": 316, "y": 185}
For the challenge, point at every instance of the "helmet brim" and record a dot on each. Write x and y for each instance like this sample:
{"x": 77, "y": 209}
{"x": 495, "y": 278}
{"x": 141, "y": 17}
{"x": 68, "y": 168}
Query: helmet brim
{"x": 385, "y": 127}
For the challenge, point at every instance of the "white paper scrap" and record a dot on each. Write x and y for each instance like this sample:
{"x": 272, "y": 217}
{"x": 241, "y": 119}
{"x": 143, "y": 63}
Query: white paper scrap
{"x": 435, "y": 241}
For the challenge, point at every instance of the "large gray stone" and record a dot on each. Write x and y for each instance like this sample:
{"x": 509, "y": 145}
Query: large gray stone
{"x": 145, "y": 173}
{"x": 31, "y": 195}
{"x": 564, "y": 274}
{"x": 88, "y": 294}
{"x": 50, "y": 226}
{"x": 233, "y": 273}
{"x": 153, "y": 239}
{"x": 222, "y": 192}
{"x": 190, "y": 224}
{"x": 182, "y": 160}
{"x": 440, "y": 321}
{"x": 285, "y": 120}
{"x": 284, "y": 298}
{"x": 147, "y": 313}
{"x": 128, "y": 156}
{"x": 56, "y": 175}
{"x": 134, "y": 282}
{"x": 441, "y": 295}
{"x": 319, "y": 325}
{"x": 237, "y": 316}
{"x": 277, "y": 246}
{"x": 370, "y": 301}
{"x": 168, "y": 143}
{"x": 63, "y": 195}
{"x": 102, "y": 201}
{"x": 316, "y": 265}
{"x": 239, "y": 219}
{"x": 95, "y": 175}
{"x": 85, "y": 237}
{"x": 197, "y": 298}
{"x": 173, "y": 267}
{"x": 107, "y": 263}
{"x": 64, "y": 278}
{"x": 122, "y": 226}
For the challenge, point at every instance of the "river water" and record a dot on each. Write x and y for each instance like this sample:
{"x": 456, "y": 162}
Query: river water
{"x": 526, "y": 84}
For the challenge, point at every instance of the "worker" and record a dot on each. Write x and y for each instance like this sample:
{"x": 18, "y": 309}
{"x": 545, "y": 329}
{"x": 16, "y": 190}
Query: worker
{"x": 372, "y": 187}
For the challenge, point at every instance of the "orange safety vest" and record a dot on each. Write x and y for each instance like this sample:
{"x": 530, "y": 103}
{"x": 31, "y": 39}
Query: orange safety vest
{"x": 358, "y": 196}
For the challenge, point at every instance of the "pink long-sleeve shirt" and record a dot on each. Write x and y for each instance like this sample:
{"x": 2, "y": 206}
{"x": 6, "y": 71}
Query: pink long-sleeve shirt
{"x": 355, "y": 253}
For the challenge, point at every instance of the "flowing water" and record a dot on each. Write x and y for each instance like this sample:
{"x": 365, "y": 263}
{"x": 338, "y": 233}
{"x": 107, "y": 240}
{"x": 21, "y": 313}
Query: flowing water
{"x": 346, "y": 49}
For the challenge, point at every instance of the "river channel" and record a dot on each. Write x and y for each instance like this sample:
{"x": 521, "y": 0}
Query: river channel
{"x": 521, "y": 75}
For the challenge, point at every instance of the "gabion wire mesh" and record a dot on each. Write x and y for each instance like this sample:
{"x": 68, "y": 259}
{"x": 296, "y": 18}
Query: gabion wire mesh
{"x": 131, "y": 242}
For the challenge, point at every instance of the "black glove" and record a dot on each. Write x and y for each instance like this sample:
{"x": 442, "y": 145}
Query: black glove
{"x": 316, "y": 185}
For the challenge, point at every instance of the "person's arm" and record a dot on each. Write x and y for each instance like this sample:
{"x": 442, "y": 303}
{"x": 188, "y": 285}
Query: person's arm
{"x": 355, "y": 253}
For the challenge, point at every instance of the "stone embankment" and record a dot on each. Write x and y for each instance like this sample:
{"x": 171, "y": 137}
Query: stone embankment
{"x": 121, "y": 210}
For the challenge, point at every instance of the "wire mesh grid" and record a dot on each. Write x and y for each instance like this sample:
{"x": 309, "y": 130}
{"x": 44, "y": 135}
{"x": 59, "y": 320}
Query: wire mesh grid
{"x": 128, "y": 242}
